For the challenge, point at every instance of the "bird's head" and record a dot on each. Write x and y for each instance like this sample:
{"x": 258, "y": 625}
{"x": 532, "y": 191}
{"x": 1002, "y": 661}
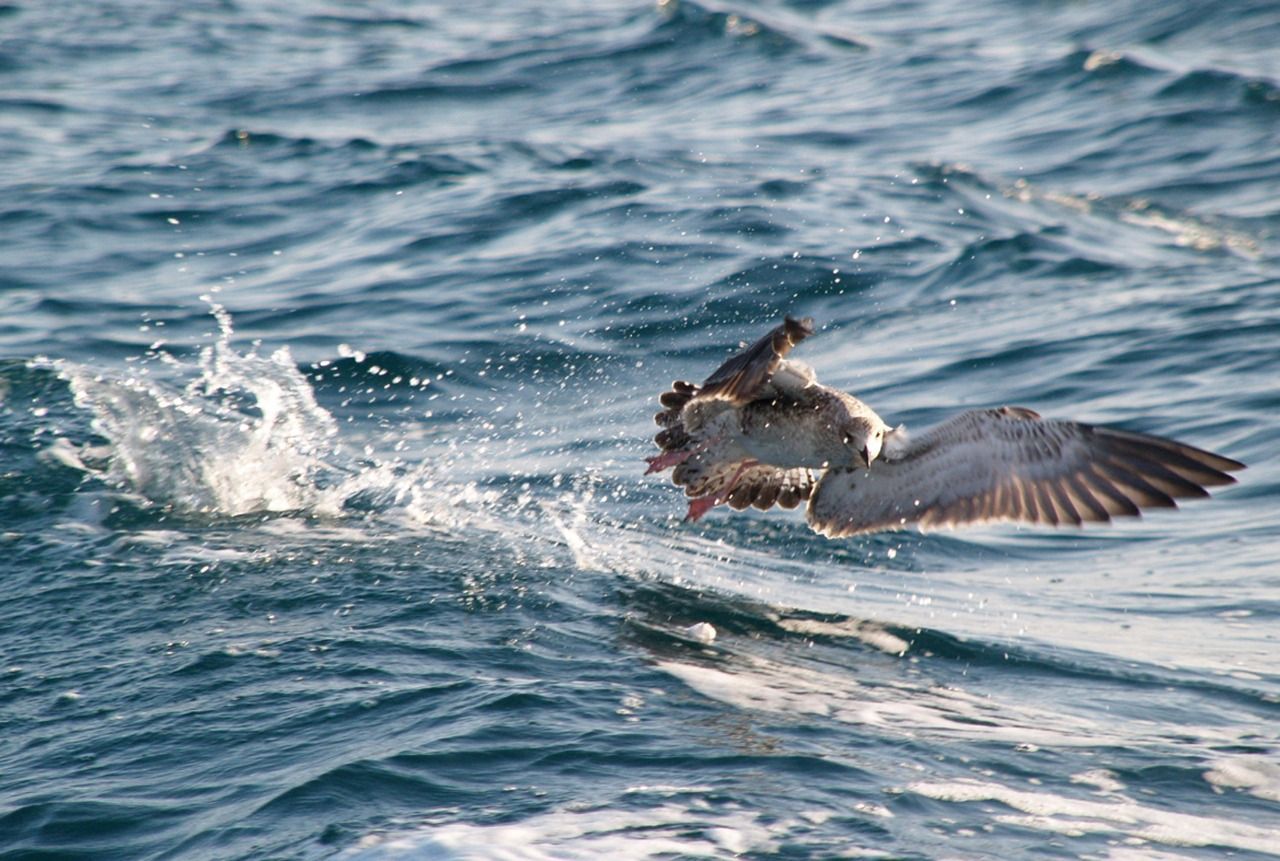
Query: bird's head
{"x": 864, "y": 439}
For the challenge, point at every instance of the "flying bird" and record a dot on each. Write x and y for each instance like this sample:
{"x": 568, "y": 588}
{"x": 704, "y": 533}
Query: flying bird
{"x": 761, "y": 430}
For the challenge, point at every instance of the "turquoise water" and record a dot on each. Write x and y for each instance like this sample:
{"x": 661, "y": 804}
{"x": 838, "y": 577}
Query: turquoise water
{"x": 330, "y": 339}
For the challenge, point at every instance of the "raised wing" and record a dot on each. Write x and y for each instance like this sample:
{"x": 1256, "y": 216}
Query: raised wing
{"x": 740, "y": 379}
{"x": 1011, "y": 464}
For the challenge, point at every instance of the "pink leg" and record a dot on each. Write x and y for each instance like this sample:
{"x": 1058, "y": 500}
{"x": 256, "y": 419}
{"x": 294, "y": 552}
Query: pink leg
{"x": 702, "y": 504}
{"x": 659, "y": 462}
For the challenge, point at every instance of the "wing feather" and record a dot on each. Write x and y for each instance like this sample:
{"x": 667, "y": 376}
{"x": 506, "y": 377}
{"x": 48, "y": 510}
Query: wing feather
{"x": 1030, "y": 509}
{"x": 1166, "y": 480}
{"x": 1113, "y": 500}
{"x": 1048, "y": 508}
{"x": 674, "y": 435}
{"x": 741, "y": 378}
{"x": 1135, "y": 486}
{"x": 1011, "y": 464}
{"x": 1067, "y": 510}
{"x": 759, "y": 485}
{"x": 1095, "y": 511}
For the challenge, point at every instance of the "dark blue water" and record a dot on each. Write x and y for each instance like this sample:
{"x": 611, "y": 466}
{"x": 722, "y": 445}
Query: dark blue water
{"x": 330, "y": 336}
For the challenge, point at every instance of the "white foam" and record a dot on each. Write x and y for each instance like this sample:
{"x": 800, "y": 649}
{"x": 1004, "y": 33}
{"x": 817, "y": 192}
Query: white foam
{"x": 1100, "y": 778}
{"x": 914, "y": 707}
{"x": 586, "y": 555}
{"x": 1143, "y": 852}
{"x": 763, "y": 685}
{"x": 1045, "y": 811}
{"x": 663, "y": 831}
{"x": 1257, "y": 776}
{"x": 869, "y": 633}
{"x": 700, "y": 632}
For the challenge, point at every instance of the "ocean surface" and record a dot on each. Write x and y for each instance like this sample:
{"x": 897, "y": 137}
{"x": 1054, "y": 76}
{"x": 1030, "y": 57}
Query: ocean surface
{"x": 330, "y": 340}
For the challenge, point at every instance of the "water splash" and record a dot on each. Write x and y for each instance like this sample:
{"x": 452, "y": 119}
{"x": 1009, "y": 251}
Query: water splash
{"x": 244, "y": 436}
{"x": 235, "y": 433}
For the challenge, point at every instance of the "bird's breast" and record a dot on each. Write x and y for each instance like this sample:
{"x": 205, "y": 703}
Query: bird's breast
{"x": 787, "y": 434}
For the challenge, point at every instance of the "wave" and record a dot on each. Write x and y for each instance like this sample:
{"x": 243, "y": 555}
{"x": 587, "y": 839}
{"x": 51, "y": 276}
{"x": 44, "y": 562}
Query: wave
{"x": 1056, "y": 230}
{"x": 816, "y": 694}
{"x": 1225, "y": 86}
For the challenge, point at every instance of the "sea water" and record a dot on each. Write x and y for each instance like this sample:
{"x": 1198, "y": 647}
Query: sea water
{"x": 330, "y": 339}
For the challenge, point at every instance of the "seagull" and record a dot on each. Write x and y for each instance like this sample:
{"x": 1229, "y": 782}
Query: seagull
{"x": 761, "y": 430}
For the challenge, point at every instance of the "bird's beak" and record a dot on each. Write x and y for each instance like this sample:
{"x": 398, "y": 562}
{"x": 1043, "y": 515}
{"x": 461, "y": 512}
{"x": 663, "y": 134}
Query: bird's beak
{"x": 866, "y": 456}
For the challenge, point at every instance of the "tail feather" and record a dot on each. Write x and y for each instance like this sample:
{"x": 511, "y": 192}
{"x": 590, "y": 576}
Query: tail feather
{"x": 680, "y": 394}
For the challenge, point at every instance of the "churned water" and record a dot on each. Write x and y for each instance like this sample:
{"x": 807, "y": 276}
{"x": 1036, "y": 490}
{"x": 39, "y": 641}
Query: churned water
{"x": 330, "y": 339}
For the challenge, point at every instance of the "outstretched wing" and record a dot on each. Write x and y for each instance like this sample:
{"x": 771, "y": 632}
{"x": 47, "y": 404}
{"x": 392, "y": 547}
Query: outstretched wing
{"x": 740, "y": 379}
{"x": 1011, "y": 464}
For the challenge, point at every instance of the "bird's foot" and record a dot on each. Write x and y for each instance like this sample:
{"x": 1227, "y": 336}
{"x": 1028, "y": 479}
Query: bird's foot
{"x": 700, "y": 506}
{"x": 659, "y": 462}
